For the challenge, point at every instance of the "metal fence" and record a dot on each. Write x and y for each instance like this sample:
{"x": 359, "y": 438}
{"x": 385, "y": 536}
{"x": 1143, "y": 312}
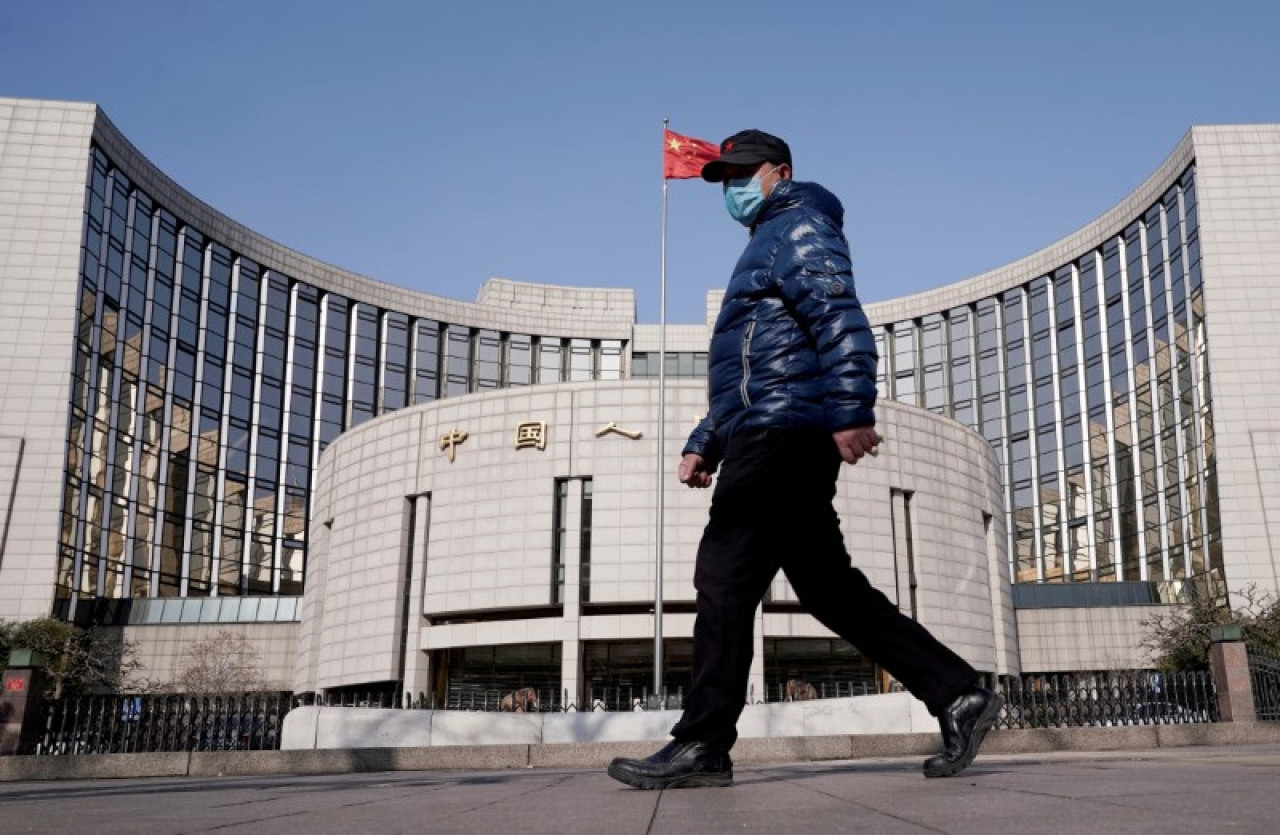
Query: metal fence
{"x": 126, "y": 724}
{"x": 1136, "y": 697}
{"x": 1264, "y": 674}
{"x": 253, "y": 722}
{"x": 522, "y": 700}
{"x": 552, "y": 700}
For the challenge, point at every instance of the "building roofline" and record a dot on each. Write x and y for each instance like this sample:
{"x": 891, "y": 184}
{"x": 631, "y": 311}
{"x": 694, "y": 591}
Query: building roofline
{"x": 549, "y": 310}
{"x": 1044, "y": 261}
{"x": 552, "y": 310}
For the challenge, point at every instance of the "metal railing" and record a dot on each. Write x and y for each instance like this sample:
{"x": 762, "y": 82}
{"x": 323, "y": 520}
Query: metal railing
{"x": 1264, "y": 675}
{"x": 522, "y": 700}
{"x": 552, "y": 700}
{"x": 126, "y": 724}
{"x": 1134, "y": 697}
{"x": 253, "y": 722}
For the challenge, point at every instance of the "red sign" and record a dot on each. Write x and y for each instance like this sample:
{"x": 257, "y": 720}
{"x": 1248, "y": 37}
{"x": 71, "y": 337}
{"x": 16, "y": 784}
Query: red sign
{"x": 15, "y": 685}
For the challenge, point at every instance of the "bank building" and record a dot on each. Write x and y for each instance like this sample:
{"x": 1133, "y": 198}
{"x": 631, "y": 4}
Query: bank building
{"x": 382, "y": 489}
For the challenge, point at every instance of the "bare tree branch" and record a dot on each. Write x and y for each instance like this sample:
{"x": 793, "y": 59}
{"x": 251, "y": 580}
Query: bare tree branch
{"x": 224, "y": 663}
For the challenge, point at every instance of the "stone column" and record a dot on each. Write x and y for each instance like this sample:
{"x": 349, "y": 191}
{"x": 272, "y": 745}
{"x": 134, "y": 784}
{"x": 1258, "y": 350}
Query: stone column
{"x": 22, "y": 702}
{"x": 1229, "y": 663}
{"x": 416, "y": 661}
{"x": 570, "y": 622}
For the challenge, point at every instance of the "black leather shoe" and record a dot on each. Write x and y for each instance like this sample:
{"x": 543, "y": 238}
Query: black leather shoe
{"x": 964, "y": 723}
{"x": 680, "y": 765}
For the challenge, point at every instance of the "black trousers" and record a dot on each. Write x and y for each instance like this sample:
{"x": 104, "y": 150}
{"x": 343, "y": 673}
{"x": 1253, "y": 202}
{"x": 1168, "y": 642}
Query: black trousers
{"x": 772, "y": 508}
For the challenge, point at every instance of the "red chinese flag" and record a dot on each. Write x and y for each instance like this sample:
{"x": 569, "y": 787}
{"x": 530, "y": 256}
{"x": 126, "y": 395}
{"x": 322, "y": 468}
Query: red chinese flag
{"x": 684, "y": 156}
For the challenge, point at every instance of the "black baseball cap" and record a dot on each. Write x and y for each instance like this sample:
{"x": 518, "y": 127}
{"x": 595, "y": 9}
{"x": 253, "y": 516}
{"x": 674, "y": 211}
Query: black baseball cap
{"x": 747, "y": 147}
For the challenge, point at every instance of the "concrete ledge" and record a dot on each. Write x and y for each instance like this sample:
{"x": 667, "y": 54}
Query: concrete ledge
{"x": 468, "y": 757}
{"x": 1222, "y": 733}
{"x": 793, "y": 748}
{"x": 317, "y": 727}
{"x": 585, "y": 754}
{"x": 894, "y": 745}
{"x": 356, "y": 760}
{"x": 263, "y": 763}
{"x": 598, "y": 754}
{"x": 1042, "y": 740}
{"x": 94, "y": 766}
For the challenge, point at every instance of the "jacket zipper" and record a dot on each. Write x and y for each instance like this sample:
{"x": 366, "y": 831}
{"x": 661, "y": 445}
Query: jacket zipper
{"x": 746, "y": 361}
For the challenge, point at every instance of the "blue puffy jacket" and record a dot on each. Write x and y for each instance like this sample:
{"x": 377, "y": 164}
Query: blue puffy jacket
{"x": 791, "y": 346}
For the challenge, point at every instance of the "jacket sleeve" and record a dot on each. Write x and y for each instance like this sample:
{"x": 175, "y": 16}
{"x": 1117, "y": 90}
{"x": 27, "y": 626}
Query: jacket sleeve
{"x": 702, "y": 441}
{"x": 815, "y": 277}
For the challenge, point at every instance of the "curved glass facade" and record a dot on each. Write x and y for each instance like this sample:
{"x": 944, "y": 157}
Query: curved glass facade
{"x": 1091, "y": 383}
{"x": 205, "y": 386}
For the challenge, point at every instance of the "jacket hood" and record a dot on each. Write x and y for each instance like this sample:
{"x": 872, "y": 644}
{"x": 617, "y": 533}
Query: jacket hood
{"x": 788, "y": 195}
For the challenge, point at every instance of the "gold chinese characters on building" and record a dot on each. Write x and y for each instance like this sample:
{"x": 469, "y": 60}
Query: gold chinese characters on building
{"x": 611, "y": 426}
{"x": 450, "y": 440}
{"x": 532, "y": 434}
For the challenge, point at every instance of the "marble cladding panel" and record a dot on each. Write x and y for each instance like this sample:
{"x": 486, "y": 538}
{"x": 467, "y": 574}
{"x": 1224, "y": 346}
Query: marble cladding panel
{"x": 1238, "y": 192}
{"x": 1066, "y": 640}
{"x": 162, "y": 650}
{"x": 44, "y": 153}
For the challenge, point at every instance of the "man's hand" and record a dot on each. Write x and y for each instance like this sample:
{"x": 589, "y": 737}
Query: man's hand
{"x": 693, "y": 471}
{"x": 856, "y": 441}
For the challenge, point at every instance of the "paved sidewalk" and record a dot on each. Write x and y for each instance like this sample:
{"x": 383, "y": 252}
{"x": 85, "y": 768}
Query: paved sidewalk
{"x": 1233, "y": 788}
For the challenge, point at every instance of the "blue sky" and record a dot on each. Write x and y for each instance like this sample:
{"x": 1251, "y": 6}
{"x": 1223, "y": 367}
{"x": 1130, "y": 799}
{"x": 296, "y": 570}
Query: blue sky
{"x": 434, "y": 145}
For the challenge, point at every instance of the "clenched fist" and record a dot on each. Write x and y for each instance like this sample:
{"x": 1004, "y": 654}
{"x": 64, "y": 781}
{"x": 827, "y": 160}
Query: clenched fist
{"x": 856, "y": 441}
{"x": 693, "y": 471}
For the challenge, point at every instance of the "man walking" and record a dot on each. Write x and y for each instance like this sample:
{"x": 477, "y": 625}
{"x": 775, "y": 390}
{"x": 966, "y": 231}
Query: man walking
{"x": 792, "y": 389}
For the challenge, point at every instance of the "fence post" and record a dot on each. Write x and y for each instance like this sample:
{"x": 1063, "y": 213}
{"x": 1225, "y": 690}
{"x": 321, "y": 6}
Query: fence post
{"x": 1229, "y": 662}
{"x": 22, "y": 701}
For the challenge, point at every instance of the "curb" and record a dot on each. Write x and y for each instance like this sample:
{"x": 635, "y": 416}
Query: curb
{"x": 597, "y": 754}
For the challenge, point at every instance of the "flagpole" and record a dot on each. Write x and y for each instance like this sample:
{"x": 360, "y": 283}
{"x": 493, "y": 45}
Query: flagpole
{"x": 662, "y": 443}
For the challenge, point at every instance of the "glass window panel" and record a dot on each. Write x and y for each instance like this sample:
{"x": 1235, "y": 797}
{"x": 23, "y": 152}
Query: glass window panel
{"x": 1113, "y": 281}
{"x": 364, "y": 368}
{"x": 267, "y": 609}
{"x": 1045, "y": 399}
{"x": 882, "y": 367}
{"x": 904, "y": 348}
{"x": 611, "y": 360}
{"x": 277, "y": 312}
{"x": 580, "y": 365}
{"x": 366, "y": 334}
{"x": 932, "y": 330}
{"x": 293, "y": 560}
{"x": 549, "y": 360}
{"x": 1019, "y": 409}
{"x": 904, "y": 341}
{"x": 238, "y": 446}
{"x": 1138, "y": 322}
{"x": 458, "y": 361}
{"x": 1039, "y": 296}
{"x": 249, "y": 609}
{"x": 229, "y": 609}
{"x": 395, "y": 394}
{"x": 426, "y": 364}
{"x": 261, "y": 557}
{"x": 519, "y": 359}
{"x": 488, "y": 360}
